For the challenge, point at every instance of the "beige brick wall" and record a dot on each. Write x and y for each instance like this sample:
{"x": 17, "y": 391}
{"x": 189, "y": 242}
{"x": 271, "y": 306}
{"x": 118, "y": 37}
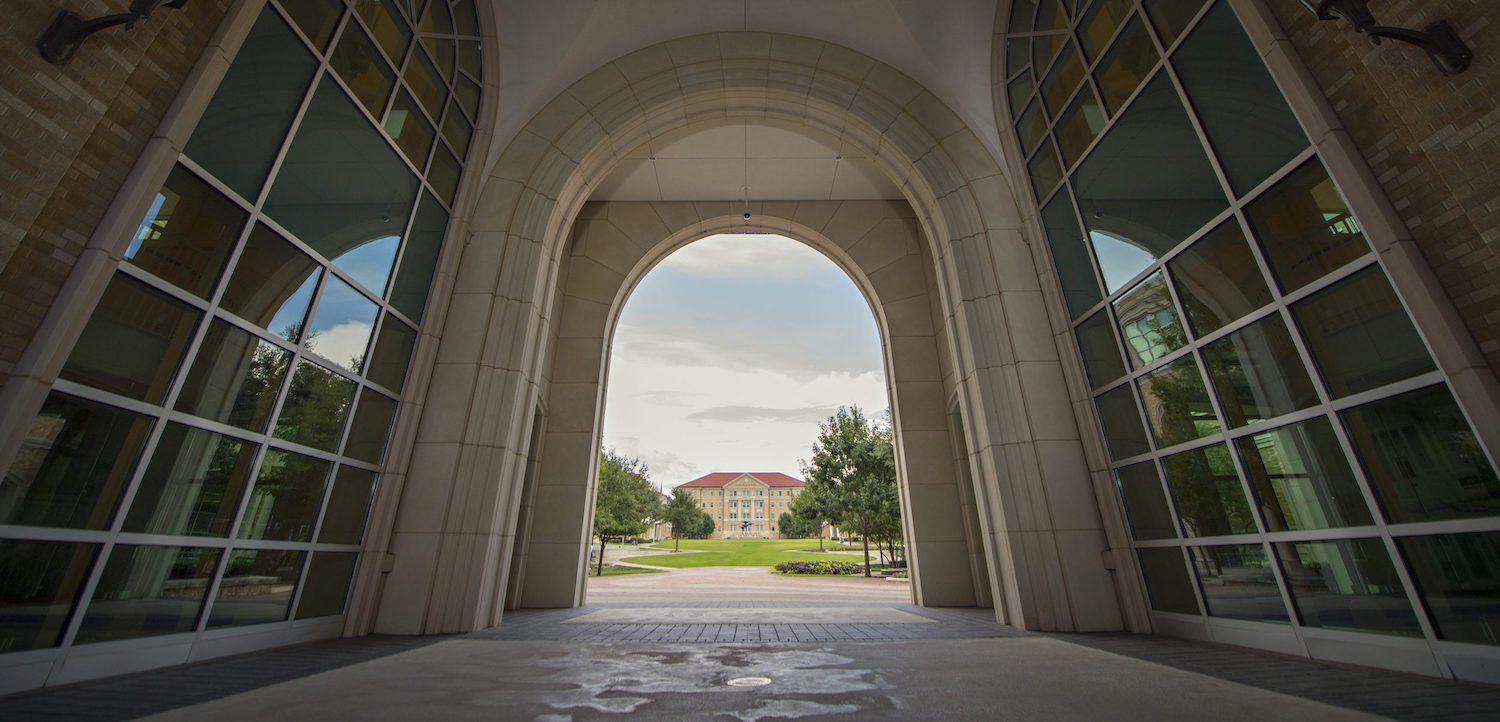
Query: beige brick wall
{"x": 1433, "y": 142}
{"x": 70, "y": 134}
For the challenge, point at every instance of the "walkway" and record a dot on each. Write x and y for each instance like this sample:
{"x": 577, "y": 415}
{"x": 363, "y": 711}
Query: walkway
{"x": 864, "y": 657}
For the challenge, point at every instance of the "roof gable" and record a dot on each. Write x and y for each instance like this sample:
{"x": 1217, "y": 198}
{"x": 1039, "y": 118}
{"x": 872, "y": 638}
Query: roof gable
{"x": 718, "y": 480}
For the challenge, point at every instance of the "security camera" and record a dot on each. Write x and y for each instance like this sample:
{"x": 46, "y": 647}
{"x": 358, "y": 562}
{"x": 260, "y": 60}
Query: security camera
{"x": 747, "y": 215}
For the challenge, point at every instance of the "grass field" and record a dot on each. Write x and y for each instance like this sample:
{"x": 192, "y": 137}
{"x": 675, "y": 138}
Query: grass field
{"x": 736, "y": 553}
{"x": 611, "y": 570}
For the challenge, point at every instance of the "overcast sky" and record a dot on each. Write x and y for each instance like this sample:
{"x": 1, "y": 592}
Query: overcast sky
{"x": 730, "y": 352}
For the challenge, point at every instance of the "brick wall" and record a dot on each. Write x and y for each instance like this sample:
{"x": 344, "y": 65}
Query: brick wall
{"x": 1432, "y": 141}
{"x": 70, "y": 134}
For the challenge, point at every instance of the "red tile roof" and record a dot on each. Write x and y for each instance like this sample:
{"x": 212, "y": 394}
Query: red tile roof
{"x": 717, "y": 480}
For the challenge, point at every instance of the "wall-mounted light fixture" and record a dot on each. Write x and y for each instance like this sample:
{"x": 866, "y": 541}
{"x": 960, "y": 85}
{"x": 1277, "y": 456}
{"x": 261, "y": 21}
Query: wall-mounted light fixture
{"x": 68, "y": 30}
{"x": 1448, "y": 52}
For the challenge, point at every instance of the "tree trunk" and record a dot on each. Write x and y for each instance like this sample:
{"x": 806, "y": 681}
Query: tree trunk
{"x": 867, "y": 552}
{"x": 602, "y": 542}
{"x": 676, "y": 542}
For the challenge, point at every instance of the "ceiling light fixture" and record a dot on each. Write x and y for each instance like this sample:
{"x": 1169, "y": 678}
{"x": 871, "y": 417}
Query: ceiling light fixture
{"x": 1448, "y": 52}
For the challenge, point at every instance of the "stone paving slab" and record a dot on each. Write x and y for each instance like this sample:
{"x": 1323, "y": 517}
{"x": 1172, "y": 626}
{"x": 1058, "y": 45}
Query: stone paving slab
{"x": 754, "y": 615}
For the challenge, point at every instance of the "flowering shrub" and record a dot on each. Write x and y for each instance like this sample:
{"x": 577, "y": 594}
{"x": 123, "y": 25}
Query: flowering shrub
{"x": 820, "y": 568}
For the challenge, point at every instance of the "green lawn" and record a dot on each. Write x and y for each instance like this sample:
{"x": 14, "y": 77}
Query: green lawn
{"x": 736, "y": 553}
{"x": 611, "y": 570}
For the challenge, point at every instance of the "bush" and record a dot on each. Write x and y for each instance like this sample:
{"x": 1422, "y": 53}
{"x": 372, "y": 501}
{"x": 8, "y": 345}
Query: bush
{"x": 819, "y": 568}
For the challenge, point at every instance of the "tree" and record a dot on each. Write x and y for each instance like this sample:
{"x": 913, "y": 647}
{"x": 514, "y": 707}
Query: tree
{"x": 795, "y": 527}
{"x": 682, "y": 512}
{"x": 626, "y": 500}
{"x": 851, "y": 482}
{"x": 700, "y": 528}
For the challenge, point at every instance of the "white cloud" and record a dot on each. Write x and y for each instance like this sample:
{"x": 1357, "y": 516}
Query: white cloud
{"x": 342, "y": 344}
{"x": 756, "y": 256}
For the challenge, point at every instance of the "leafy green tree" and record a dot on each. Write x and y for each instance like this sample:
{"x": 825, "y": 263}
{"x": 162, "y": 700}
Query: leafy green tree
{"x": 682, "y": 512}
{"x": 700, "y": 527}
{"x": 851, "y": 482}
{"x": 795, "y": 527}
{"x": 626, "y": 501}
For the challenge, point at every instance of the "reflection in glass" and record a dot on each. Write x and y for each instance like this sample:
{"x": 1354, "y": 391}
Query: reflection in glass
{"x": 457, "y": 130}
{"x": 341, "y": 184}
{"x": 1258, "y": 374}
{"x": 1359, "y": 334}
{"x": 1171, "y": 17}
{"x": 193, "y": 485}
{"x": 409, "y": 128}
{"x": 363, "y": 69}
{"x": 1017, "y": 55}
{"x": 1146, "y": 186}
{"x": 315, "y": 407}
{"x": 419, "y": 260}
{"x": 145, "y": 591}
{"x": 73, "y": 464}
{"x": 1149, "y": 322}
{"x": 467, "y": 92}
{"x": 1422, "y": 459}
{"x": 272, "y": 284}
{"x": 469, "y": 60}
{"x": 438, "y": 19}
{"x": 1304, "y": 227}
{"x": 1348, "y": 584}
{"x": 1238, "y": 583}
{"x": 1069, "y": 255}
{"x": 1022, "y": 15}
{"x": 1044, "y": 171}
{"x": 242, "y": 129}
{"x": 328, "y": 576}
{"x": 1207, "y": 491}
{"x": 1032, "y": 127}
{"x": 443, "y": 172}
{"x": 1099, "y": 24}
{"x": 1100, "y": 350}
{"x": 1456, "y": 575}
{"x": 465, "y": 21}
{"x": 1043, "y": 48}
{"x": 288, "y": 492}
{"x": 425, "y": 84}
{"x": 1217, "y": 279}
{"x": 187, "y": 234}
{"x": 39, "y": 581}
{"x": 133, "y": 342}
{"x": 317, "y": 18}
{"x": 340, "y": 328}
{"x": 1125, "y": 66}
{"x": 1062, "y": 80}
{"x": 1121, "y": 420}
{"x": 1145, "y": 505}
{"x": 1302, "y": 479}
{"x": 442, "y": 52}
{"x": 393, "y": 347}
{"x": 1078, "y": 126}
{"x": 234, "y": 379}
{"x": 370, "y": 427}
{"x": 348, "y": 505}
{"x": 257, "y": 588}
{"x": 1247, "y": 120}
{"x": 1167, "y": 582}
{"x": 369, "y": 264}
{"x": 387, "y": 27}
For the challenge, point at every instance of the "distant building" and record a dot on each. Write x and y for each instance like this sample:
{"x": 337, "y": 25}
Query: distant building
{"x": 744, "y": 505}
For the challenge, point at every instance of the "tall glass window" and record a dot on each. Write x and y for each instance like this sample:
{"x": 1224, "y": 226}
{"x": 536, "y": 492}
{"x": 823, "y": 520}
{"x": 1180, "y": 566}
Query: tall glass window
{"x": 210, "y": 453}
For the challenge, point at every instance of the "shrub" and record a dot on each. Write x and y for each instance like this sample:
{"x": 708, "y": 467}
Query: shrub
{"x": 821, "y": 568}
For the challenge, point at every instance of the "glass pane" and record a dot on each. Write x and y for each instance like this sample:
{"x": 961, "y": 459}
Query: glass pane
{"x": 387, "y": 27}
{"x": 1062, "y": 80}
{"x": 1069, "y": 256}
{"x": 1017, "y": 55}
{"x": 1032, "y": 127}
{"x": 146, "y": 591}
{"x": 1145, "y": 505}
{"x": 1247, "y": 121}
{"x": 288, "y": 493}
{"x": 1167, "y": 581}
{"x": 272, "y": 284}
{"x": 1258, "y": 374}
{"x": 363, "y": 69}
{"x": 1022, "y": 13}
{"x": 73, "y": 464}
{"x": 370, "y": 263}
{"x": 1208, "y": 494}
{"x": 370, "y": 427}
{"x": 1302, "y": 479}
{"x": 1348, "y": 584}
{"x": 340, "y": 328}
{"x": 242, "y": 129}
{"x": 133, "y": 342}
{"x": 348, "y": 505}
{"x": 1125, "y": 66}
{"x": 438, "y": 19}
{"x": 1051, "y": 16}
{"x": 316, "y": 18}
{"x": 409, "y": 128}
{"x": 193, "y": 484}
{"x": 1238, "y": 583}
{"x": 1122, "y": 423}
{"x": 1422, "y": 459}
{"x": 1043, "y": 49}
{"x": 1177, "y": 405}
{"x": 392, "y": 352}
{"x": 1099, "y": 24}
{"x": 442, "y": 53}
{"x": 426, "y": 86}
{"x": 257, "y": 588}
{"x": 39, "y": 581}
{"x": 419, "y": 260}
{"x": 443, "y": 173}
{"x": 234, "y": 379}
{"x": 1171, "y": 17}
{"x": 469, "y": 61}
{"x": 465, "y": 20}
{"x": 1149, "y": 322}
{"x": 341, "y": 184}
{"x": 1018, "y": 91}
{"x": 328, "y": 576}
{"x": 1217, "y": 279}
{"x": 315, "y": 407}
{"x": 1146, "y": 186}
{"x": 467, "y": 92}
{"x": 1359, "y": 334}
{"x": 187, "y": 235}
{"x": 1458, "y": 579}
{"x": 1304, "y": 227}
{"x": 457, "y": 130}
{"x": 1078, "y": 126}
{"x": 1100, "y": 350}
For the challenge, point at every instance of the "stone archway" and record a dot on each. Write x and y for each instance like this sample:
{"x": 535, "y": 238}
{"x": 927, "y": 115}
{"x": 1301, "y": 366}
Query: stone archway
{"x": 451, "y": 533}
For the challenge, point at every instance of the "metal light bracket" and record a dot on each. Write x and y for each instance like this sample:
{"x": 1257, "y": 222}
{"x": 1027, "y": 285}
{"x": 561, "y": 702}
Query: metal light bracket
{"x": 1448, "y": 51}
{"x": 68, "y": 30}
